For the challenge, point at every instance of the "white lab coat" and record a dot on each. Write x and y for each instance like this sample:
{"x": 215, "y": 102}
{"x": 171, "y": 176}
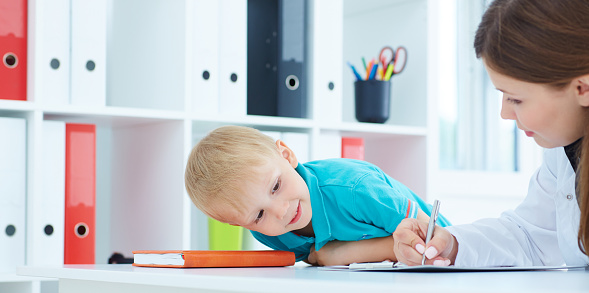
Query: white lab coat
{"x": 542, "y": 230}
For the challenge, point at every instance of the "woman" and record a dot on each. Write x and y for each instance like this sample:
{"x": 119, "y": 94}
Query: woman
{"x": 537, "y": 54}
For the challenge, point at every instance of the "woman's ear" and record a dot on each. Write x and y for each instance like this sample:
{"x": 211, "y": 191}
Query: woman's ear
{"x": 287, "y": 153}
{"x": 582, "y": 90}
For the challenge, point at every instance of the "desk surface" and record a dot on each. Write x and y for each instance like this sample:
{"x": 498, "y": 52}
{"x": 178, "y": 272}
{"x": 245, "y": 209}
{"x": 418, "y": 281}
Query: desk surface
{"x": 312, "y": 279}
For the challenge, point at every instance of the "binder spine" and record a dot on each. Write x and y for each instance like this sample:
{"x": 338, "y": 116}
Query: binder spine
{"x": 80, "y": 194}
{"x": 13, "y": 50}
{"x": 12, "y": 193}
{"x": 233, "y": 57}
{"x": 47, "y": 207}
{"x": 88, "y": 52}
{"x": 52, "y": 52}
{"x": 292, "y": 78}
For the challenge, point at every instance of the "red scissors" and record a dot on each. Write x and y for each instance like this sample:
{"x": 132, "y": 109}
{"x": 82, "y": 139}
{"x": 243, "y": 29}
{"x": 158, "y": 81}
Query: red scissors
{"x": 391, "y": 57}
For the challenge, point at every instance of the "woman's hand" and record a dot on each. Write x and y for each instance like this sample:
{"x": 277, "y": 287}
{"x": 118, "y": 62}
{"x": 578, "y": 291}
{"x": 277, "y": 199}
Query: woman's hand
{"x": 410, "y": 246}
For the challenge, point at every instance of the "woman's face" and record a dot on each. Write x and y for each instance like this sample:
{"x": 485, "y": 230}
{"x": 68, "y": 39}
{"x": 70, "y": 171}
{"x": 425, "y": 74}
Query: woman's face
{"x": 552, "y": 117}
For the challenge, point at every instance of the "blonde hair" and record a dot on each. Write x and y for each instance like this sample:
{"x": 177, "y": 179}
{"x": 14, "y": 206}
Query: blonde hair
{"x": 221, "y": 162}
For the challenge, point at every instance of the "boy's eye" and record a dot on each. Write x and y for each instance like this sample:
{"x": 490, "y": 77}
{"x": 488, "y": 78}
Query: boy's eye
{"x": 259, "y": 217}
{"x": 276, "y": 186}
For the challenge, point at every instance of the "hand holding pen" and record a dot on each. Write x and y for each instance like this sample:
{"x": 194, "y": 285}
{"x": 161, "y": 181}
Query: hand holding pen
{"x": 412, "y": 244}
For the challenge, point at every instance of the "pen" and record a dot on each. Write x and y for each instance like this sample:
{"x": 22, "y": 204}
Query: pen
{"x": 430, "y": 227}
{"x": 358, "y": 77}
{"x": 364, "y": 62}
{"x": 373, "y": 71}
{"x": 369, "y": 69}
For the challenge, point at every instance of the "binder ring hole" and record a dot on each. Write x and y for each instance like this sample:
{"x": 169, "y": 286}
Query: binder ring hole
{"x": 10, "y": 230}
{"x": 48, "y": 230}
{"x": 81, "y": 230}
{"x": 90, "y": 65}
{"x": 292, "y": 82}
{"x": 206, "y": 75}
{"x": 54, "y": 63}
{"x": 233, "y": 77}
{"x": 10, "y": 60}
{"x": 331, "y": 86}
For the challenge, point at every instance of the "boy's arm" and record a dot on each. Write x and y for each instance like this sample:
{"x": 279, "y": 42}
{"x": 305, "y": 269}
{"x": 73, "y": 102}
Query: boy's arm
{"x": 367, "y": 250}
{"x": 347, "y": 252}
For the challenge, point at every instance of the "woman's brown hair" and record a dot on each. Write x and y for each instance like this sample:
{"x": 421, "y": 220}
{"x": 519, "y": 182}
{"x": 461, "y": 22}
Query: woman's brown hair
{"x": 543, "y": 42}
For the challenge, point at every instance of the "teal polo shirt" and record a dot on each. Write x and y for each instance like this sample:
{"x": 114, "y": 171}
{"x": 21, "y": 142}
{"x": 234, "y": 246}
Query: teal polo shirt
{"x": 351, "y": 200}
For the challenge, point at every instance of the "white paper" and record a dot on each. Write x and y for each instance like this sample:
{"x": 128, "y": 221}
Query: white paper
{"x": 401, "y": 267}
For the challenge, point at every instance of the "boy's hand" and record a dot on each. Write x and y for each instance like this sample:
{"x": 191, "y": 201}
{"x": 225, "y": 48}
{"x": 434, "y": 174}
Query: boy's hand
{"x": 410, "y": 244}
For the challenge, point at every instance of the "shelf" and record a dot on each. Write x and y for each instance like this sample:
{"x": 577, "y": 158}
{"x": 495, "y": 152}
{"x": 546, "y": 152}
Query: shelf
{"x": 371, "y": 129}
{"x": 7, "y": 106}
{"x": 110, "y": 116}
{"x": 13, "y": 278}
{"x": 269, "y": 123}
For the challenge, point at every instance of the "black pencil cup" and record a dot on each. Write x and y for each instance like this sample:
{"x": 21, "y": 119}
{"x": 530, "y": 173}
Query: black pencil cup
{"x": 373, "y": 100}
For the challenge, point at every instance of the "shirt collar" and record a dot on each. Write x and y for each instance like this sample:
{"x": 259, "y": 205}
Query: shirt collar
{"x": 321, "y": 226}
{"x": 573, "y": 153}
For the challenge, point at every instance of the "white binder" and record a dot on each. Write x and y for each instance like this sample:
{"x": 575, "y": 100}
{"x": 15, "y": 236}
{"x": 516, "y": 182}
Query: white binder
{"x": 88, "y": 52}
{"x": 233, "y": 57}
{"x": 299, "y": 144}
{"x": 52, "y": 50}
{"x": 48, "y": 209}
{"x": 12, "y": 192}
{"x": 326, "y": 31}
{"x": 205, "y": 60}
{"x": 329, "y": 146}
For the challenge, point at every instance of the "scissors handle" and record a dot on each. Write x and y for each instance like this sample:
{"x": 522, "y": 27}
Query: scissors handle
{"x": 399, "y": 67}
{"x": 386, "y": 56}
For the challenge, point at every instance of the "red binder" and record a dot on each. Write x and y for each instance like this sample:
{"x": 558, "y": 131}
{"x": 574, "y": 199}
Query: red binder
{"x": 353, "y": 148}
{"x": 13, "y": 49}
{"x": 80, "y": 193}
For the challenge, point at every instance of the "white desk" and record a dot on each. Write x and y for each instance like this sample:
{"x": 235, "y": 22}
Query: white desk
{"x": 125, "y": 278}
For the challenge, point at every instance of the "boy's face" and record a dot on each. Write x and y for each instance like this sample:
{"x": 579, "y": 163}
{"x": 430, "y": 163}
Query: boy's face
{"x": 277, "y": 199}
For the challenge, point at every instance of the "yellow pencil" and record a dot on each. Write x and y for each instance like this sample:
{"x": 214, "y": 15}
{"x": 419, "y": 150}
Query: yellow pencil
{"x": 389, "y": 73}
{"x": 379, "y": 74}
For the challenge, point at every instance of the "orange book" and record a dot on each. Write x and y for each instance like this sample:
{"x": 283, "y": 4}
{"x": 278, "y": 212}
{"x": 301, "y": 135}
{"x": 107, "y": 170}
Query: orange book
{"x": 213, "y": 258}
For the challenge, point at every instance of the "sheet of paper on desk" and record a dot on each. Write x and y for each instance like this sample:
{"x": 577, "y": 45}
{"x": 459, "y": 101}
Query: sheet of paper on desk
{"x": 400, "y": 267}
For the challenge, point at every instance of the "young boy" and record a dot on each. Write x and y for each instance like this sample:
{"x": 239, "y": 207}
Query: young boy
{"x": 238, "y": 175}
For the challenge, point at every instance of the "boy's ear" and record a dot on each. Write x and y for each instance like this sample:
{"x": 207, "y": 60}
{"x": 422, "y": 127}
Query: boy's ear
{"x": 582, "y": 90}
{"x": 287, "y": 153}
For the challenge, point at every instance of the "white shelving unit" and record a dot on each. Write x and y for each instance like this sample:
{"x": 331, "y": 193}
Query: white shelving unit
{"x": 147, "y": 127}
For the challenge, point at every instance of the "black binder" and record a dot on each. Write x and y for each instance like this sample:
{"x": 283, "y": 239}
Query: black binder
{"x": 277, "y": 54}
